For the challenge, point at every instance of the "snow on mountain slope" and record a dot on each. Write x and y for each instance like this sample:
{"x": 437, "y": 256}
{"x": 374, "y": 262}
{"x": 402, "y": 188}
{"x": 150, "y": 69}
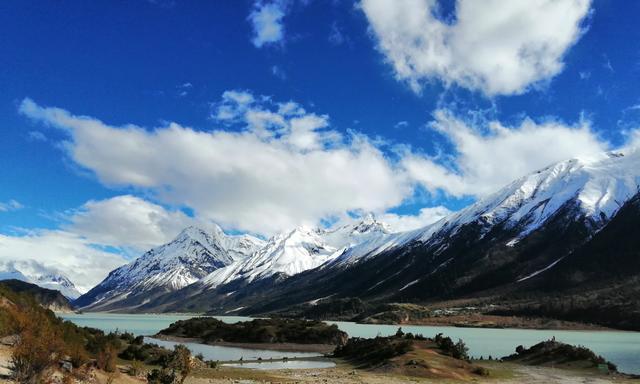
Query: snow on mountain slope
{"x": 192, "y": 255}
{"x": 57, "y": 282}
{"x": 599, "y": 185}
{"x": 39, "y": 275}
{"x": 299, "y": 250}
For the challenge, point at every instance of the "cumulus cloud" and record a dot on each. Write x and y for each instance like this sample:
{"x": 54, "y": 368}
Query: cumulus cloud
{"x": 485, "y": 161}
{"x": 426, "y": 216}
{"x": 266, "y": 21}
{"x": 283, "y": 168}
{"x": 497, "y": 47}
{"x": 127, "y": 222}
{"x": 633, "y": 138}
{"x": 61, "y": 251}
{"x": 123, "y": 224}
{"x": 270, "y": 166}
{"x": 11, "y": 205}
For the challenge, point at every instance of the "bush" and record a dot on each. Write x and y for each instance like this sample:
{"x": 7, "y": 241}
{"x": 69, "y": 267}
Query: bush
{"x": 180, "y": 361}
{"x": 136, "y": 368}
{"x": 371, "y": 352}
{"x": 161, "y": 376}
{"x": 151, "y": 354}
{"x": 106, "y": 359}
{"x": 458, "y": 350}
{"x": 39, "y": 346}
{"x": 77, "y": 355}
{"x": 481, "y": 371}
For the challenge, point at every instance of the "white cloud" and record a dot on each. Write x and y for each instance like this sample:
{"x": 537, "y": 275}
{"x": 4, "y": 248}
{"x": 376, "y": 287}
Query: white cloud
{"x": 633, "y": 138}
{"x": 425, "y": 217}
{"x": 497, "y": 47}
{"x": 401, "y": 124}
{"x": 278, "y": 72}
{"x": 11, "y": 205}
{"x": 36, "y": 136}
{"x": 266, "y": 20}
{"x": 60, "y": 251}
{"x": 275, "y": 166}
{"x": 127, "y": 222}
{"x": 484, "y": 162}
{"x": 285, "y": 168}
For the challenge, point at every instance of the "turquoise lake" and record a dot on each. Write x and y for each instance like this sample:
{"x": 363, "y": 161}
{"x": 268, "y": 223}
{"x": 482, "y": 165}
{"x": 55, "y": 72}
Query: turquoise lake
{"x": 622, "y": 348}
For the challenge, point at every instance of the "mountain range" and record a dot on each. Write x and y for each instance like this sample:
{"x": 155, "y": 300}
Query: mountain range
{"x": 35, "y": 273}
{"x": 558, "y": 242}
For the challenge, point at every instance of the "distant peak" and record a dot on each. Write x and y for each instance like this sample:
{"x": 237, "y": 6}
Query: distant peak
{"x": 191, "y": 232}
{"x": 369, "y": 223}
{"x": 196, "y": 232}
{"x": 369, "y": 218}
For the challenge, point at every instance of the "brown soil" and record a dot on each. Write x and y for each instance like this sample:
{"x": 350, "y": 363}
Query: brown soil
{"x": 477, "y": 320}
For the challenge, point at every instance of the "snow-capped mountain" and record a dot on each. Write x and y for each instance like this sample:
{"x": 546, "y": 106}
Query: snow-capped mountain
{"x": 299, "y": 250}
{"x": 58, "y": 282}
{"x": 597, "y": 186}
{"x": 37, "y": 274}
{"x": 193, "y": 254}
{"x": 506, "y": 242}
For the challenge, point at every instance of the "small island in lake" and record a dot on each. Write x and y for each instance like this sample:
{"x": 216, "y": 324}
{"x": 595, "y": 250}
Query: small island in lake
{"x": 277, "y": 333}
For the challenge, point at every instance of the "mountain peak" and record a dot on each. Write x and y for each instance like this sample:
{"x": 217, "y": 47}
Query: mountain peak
{"x": 197, "y": 233}
{"x": 193, "y": 254}
{"x": 40, "y": 275}
{"x": 596, "y": 185}
{"x": 369, "y": 223}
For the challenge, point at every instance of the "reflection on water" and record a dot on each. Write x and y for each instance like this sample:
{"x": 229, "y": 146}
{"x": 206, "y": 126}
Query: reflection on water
{"x": 622, "y": 348}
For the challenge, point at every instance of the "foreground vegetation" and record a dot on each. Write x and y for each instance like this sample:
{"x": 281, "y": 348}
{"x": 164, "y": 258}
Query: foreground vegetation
{"x": 47, "y": 349}
{"x": 44, "y": 347}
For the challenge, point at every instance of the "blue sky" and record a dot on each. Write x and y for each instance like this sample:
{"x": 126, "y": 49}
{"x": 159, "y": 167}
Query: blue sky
{"x": 409, "y": 109}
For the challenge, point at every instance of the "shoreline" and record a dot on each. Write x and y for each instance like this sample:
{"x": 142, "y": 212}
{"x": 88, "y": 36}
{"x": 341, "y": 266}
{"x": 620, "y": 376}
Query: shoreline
{"x": 501, "y": 322}
{"x": 282, "y": 347}
{"x": 478, "y": 321}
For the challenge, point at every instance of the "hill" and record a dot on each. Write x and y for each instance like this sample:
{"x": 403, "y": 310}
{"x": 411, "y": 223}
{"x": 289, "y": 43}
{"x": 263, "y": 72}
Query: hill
{"x": 47, "y": 298}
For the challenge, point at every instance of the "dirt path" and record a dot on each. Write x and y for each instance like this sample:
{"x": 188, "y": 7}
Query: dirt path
{"x": 546, "y": 375}
{"x": 520, "y": 375}
{"x": 345, "y": 375}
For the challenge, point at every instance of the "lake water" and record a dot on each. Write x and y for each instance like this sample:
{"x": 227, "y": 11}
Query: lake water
{"x": 225, "y": 353}
{"x": 146, "y": 325}
{"x": 622, "y": 348}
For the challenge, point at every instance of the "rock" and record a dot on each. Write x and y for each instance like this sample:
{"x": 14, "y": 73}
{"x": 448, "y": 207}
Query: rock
{"x": 66, "y": 365}
{"x": 10, "y": 340}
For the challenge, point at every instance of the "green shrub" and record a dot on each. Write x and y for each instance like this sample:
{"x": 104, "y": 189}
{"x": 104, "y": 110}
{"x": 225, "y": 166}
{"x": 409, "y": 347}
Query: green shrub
{"x": 457, "y": 350}
{"x": 161, "y": 376}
